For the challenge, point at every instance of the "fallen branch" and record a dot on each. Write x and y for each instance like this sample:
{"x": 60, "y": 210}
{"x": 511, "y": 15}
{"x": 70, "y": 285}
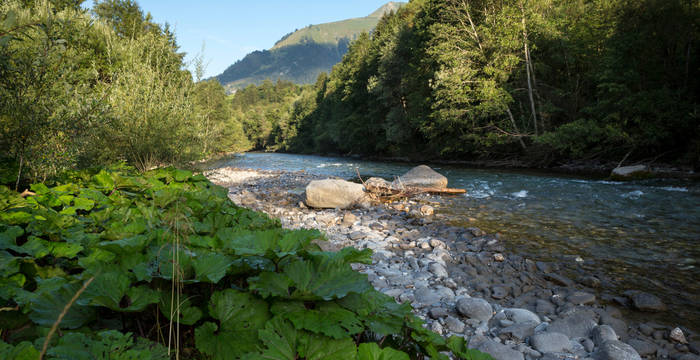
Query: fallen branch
{"x": 26, "y": 193}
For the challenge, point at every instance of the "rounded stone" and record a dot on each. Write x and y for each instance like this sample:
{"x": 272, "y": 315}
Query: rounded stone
{"x": 550, "y": 342}
{"x": 454, "y": 325}
{"x": 475, "y": 308}
{"x": 616, "y": 350}
{"x": 581, "y": 298}
{"x": 647, "y": 302}
{"x": 522, "y": 315}
{"x": 603, "y": 333}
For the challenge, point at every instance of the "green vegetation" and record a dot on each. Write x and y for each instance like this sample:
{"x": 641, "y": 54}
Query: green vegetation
{"x": 301, "y": 56}
{"x": 539, "y": 81}
{"x": 80, "y": 89}
{"x": 166, "y": 255}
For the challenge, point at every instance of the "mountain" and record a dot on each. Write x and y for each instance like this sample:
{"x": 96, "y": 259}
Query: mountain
{"x": 303, "y": 54}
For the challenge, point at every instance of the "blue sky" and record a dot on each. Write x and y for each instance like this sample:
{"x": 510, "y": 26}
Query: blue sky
{"x": 231, "y": 29}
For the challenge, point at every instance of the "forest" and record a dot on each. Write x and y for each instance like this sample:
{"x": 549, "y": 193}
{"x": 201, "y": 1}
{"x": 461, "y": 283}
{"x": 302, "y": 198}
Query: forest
{"x": 540, "y": 82}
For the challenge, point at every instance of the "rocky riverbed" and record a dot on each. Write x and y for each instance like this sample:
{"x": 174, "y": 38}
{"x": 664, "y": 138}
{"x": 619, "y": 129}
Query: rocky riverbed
{"x": 463, "y": 282}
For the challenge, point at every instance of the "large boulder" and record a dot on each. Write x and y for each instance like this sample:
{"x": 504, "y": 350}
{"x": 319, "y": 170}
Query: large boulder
{"x": 334, "y": 194}
{"x": 630, "y": 172}
{"x": 422, "y": 176}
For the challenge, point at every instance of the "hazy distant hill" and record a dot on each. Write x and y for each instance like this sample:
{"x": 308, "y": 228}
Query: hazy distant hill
{"x": 302, "y": 55}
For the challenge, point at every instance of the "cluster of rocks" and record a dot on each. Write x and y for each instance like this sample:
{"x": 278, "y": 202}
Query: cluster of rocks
{"x": 462, "y": 282}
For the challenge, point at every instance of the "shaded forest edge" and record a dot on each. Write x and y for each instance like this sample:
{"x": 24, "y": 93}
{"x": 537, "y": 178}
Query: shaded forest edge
{"x": 578, "y": 86}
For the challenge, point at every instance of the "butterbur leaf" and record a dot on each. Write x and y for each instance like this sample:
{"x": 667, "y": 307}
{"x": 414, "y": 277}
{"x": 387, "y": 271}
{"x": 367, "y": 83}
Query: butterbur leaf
{"x": 293, "y": 241}
{"x": 324, "y": 281}
{"x": 47, "y": 304}
{"x": 270, "y": 284}
{"x": 185, "y": 313}
{"x": 104, "y": 180}
{"x": 244, "y": 243}
{"x": 251, "y": 263}
{"x": 211, "y": 267}
{"x": 22, "y": 351}
{"x": 238, "y": 310}
{"x": 109, "y": 344}
{"x": 137, "y": 299}
{"x": 372, "y": 351}
{"x": 181, "y": 175}
{"x": 107, "y": 289}
{"x": 280, "y": 339}
{"x": 318, "y": 347}
{"x": 9, "y": 236}
{"x": 127, "y": 245}
{"x": 381, "y": 314}
{"x": 328, "y": 318}
{"x": 224, "y": 344}
{"x": 83, "y": 204}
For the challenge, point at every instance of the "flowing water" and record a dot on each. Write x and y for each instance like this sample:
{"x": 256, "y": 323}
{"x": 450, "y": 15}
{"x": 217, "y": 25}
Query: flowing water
{"x": 642, "y": 235}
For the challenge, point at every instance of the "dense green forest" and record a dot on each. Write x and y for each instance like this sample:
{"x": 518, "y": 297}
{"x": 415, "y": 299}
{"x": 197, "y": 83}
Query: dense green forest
{"x": 80, "y": 88}
{"x": 106, "y": 259}
{"x": 538, "y": 81}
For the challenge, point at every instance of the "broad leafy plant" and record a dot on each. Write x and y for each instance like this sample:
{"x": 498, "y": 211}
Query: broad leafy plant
{"x": 164, "y": 264}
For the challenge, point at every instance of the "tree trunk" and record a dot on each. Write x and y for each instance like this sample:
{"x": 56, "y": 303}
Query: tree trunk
{"x": 515, "y": 126}
{"x": 19, "y": 172}
{"x": 528, "y": 67}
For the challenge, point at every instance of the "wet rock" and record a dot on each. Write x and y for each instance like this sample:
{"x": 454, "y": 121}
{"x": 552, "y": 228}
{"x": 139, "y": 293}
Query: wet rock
{"x": 499, "y": 351}
{"x": 581, "y": 298}
{"x": 519, "y": 331}
{"x": 522, "y": 316}
{"x": 559, "y": 279}
{"x": 437, "y": 244}
{"x": 591, "y": 281}
{"x": 422, "y": 176}
{"x": 678, "y": 336}
{"x": 499, "y": 292}
{"x": 499, "y": 257}
{"x": 334, "y": 194}
{"x": 647, "y": 302}
{"x": 629, "y": 172}
{"x": 475, "y": 308}
{"x": 644, "y": 348}
{"x": 601, "y": 334}
{"x": 544, "y": 307}
{"x": 550, "y": 342}
{"x": 646, "y": 329}
{"x": 426, "y": 296}
{"x": 618, "y": 325}
{"x": 577, "y": 325}
{"x": 616, "y": 350}
{"x": 588, "y": 344}
{"x": 454, "y": 325}
{"x": 437, "y": 313}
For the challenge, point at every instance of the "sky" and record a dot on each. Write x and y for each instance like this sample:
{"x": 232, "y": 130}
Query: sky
{"x": 231, "y": 29}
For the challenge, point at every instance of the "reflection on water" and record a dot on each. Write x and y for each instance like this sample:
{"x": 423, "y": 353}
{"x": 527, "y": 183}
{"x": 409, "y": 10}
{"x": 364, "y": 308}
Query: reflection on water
{"x": 643, "y": 235}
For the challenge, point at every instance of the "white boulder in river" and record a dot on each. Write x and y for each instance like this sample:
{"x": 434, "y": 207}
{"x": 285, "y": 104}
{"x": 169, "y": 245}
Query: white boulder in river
{"x": 422, "y": 176}
{"x": 334, "y": 194}
{"x": 627, "y": 172}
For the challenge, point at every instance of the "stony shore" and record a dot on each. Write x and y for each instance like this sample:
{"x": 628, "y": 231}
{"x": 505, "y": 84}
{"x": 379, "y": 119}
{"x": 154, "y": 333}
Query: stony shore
{"x": 463, "y": 282}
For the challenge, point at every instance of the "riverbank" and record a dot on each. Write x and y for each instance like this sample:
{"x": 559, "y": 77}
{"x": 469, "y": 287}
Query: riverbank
{"x": 463, "y": 281}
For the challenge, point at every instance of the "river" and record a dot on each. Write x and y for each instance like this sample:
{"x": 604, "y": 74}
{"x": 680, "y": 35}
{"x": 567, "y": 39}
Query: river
{"x": 641, "y": 235}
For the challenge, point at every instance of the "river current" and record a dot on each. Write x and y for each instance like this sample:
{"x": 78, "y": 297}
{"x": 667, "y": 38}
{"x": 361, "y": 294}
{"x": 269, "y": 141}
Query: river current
{"x": 639, "y": 235}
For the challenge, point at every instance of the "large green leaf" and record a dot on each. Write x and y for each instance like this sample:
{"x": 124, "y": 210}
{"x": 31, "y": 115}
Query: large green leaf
{"x": 224, "y": 344}
{"x": 380, "y": 312}
{"x": 114, "y": 290}
{"x": 107, "y": 345}
{"x": 9, "y": 236}
{"x": 327, "y": 318}
{"x": 51, "y": 298}
{"x": 326, "y": 280}
{"x": 22, "y": 351}
{"x": 211, "y": 267}
{"x": 280, "y": 339}
{"x": 238, "y": 310}
{"x": 186, "y": 314}
{"x": 372, "y": 351}
{"x": 318, "y": 347}
{"x": 127, "y": 245}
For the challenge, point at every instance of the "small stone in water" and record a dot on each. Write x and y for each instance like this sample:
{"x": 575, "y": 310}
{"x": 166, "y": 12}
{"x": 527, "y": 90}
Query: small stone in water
{"x": 678, "y": 336}
{"x": 427, "y": 210}
{"x": 499, "y": 257}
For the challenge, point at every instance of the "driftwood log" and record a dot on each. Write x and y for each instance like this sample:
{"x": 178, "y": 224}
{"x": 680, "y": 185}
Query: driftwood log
{"x": 383, "y": 190}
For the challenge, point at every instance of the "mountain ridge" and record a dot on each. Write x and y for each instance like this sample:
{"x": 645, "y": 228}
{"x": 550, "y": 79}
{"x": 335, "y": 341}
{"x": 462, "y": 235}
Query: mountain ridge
{"x": 303, "y": 54}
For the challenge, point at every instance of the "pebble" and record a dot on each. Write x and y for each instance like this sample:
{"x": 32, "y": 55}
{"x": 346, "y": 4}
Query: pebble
{"x": 678, "y": 336}
{"x": 427, "y": 210}
{"x": 581, "y": 298}
{"x": 454, "y": 325}
{"x": 499, "y": 292}
{"x": 522, "y": 315}
{"x": 550, "y": 342}
{"x": 438, "y": 270}
{"x": 616, "y": 350}
{"x": 644, "y": 348}
{"x": 499, "y": 257}
{"x": 357, "y": 235}
{"x": 499, "y": 351}
{"x": 577, "y": 325}
{"x": 437, "y": 313}
{"x": 603, "y": 333}
{"x": 475, "y": 308}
